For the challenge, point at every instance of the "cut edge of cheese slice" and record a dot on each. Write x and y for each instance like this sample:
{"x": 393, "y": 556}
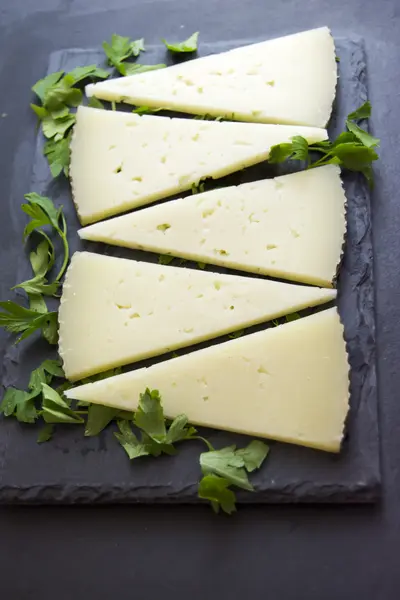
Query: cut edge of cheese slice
{"x": 289, "y": 383}
{"x": 116, "y": 311}
{"x": 121, "y": 161}
{"x": 291, "y": 227}
{"x": 287, "y": 80}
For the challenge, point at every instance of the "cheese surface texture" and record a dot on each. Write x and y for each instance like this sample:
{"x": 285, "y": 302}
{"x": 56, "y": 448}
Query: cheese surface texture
{"x": 288, "y": 383}
{"x": 290, "y": 227}
{"x": 121, "y": 160}
{"x": 288, "y": 80}
{"x": 116, "y": 311}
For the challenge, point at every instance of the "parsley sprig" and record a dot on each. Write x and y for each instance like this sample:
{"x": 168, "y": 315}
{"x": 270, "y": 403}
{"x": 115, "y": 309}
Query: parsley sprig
{"x": 229, "y": 467}
{"x": 353, "y": 149}
{"x": 45, "y": 219}
{"x": 120, "y": 48}
{"x": 155, "y": 437}
{"x": 57, "y": 95}
{"x": 221, "y": 469}
{"x": 189, "y": 45}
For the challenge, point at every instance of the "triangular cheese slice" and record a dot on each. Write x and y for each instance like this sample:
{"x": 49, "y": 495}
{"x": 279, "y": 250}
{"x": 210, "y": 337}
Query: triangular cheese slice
{"x": 286, "y": 80}
{"x": 289, "y": 383}
{"x": 116, "y": 311}
{"x": 121, "y": 160}
{"x": 290, "y": 227}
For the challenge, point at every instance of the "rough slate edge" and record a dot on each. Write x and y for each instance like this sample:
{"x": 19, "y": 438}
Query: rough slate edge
{"x": 98, "y": 471}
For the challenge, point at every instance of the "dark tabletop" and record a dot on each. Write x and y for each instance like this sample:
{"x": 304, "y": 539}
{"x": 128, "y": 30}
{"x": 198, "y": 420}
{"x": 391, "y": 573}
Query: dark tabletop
{"x": 278, "y": 553}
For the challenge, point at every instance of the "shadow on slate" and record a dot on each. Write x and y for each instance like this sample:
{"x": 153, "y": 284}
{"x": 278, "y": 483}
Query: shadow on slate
{"x": 72, "y": 468}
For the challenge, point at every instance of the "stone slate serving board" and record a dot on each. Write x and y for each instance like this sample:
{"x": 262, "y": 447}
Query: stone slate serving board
{"x": 72, "y": 468}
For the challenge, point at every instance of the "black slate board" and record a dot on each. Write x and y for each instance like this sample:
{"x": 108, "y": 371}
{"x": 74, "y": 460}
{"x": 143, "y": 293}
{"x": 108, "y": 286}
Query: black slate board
{"x": 76, "y": 469}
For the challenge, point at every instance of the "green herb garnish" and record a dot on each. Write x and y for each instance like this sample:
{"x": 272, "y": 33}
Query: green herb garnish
{"x": 189, "y": 45}
{"x": 229, "y": 467}
{"x": 58, "y": 94}
{"x": 120, "y": 49}
{"x": 352, "y": 149}
{"x": 155, "y": 438}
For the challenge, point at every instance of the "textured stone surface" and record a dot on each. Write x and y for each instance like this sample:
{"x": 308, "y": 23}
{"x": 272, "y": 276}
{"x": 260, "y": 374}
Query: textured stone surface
{"x": 76, "y": 469}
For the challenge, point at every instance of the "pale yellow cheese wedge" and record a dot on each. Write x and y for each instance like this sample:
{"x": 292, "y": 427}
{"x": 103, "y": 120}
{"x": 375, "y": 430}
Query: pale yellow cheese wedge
{"x": 291, "y": 227}
{"x": 116, "y": 311}
{"x": 291, "y": 79}
{"x": 121, "y": 161}
{"x": 288, "y": 383}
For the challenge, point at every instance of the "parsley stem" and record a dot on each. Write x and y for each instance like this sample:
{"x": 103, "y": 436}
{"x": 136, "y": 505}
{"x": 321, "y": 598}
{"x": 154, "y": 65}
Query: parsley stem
{"x": 63, "y": 235}
{"x": 207, "y": 443}
{"x": 66, "y": 256}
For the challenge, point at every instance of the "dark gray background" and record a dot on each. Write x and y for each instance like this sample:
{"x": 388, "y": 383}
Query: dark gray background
{"x": 277, "y": 552}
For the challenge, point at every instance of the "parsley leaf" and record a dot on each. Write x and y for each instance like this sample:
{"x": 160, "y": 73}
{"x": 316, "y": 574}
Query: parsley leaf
{"x": 130, "y": 443}
{"x": 98, "y": 418}
{"x": 57, "y": 94}
{"x": 122, "y": 48}
{"x": 56, "y": 409}
{"x": 118, "y": 50}
{"x": 353, "y": 149}
{"x": 237, "y": 334}
{"x": 227, "y": 464}
{"x": 138, "y": 47}
{"x": 95, "y": 102}
{"x": 362, "y": 112}
{"x": 365, "y": 138}
{"x": 280, "y": 152}
{"x": 57, "y": 128}
{"x": 165, "y": 259}
{"x": 226, "y": 467}
{"x": 293, "y": 317}
{"x": 20, "y": 404}
{"x": 179, "y": 431}
{"x": 189, "y": 45}
{"x": 155, "y": 438}
{"x": 145, "y": 110}
{"x": 216, "y": 490}
{"x": 198, "y": 188}
{"x": 42, "y": 212}
{"x": 150, "y": 416}
{"x": 42, "y": 86}
{"x": 46, "y": 433}
{"x": 58, "y": 155}
{"x": 135, "y": 68}
{"x": 253, "y": 455}
{"x": 81, "y": 73}
{"x": 300, "y": 148}
{"x": 17, "y": 319}
{"x": 42, "y": 258}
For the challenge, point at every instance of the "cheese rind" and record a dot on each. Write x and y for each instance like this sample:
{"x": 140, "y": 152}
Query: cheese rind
{"x": 290, "y": 227}
{"x": 288, "y": 383}
{"x": 289, "y": 80}
{"x": 116, "y": 311}
{"x": 121, "y": 161}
